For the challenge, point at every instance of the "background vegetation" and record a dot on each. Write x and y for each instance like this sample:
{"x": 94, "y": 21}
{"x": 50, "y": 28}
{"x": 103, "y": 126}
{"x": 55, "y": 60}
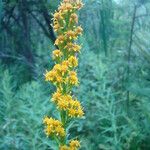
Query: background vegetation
{"x": 114, "y": 74}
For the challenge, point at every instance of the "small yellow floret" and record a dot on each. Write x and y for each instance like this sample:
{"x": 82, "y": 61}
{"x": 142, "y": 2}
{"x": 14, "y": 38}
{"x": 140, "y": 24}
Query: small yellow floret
{"x": 74, "y": 144}
{"x": 64, "y": 67}
{"x": 60, "y": 40}
{"x": 64, "y": 147}
{"x": 58, "y": 16}
{"x": 71, "y": 47}
{"x": 50, "y": 76}
{"x": 71, "y": 35}
{"x": 57, "y": 54}
{"x": 78, "y": 31}
{"x": 56, "y": 96}
{"x": 73, "y": 79}
{"x": 75, "y": 109}
{"x": 73, "y": 61}
{"x": 53, "y": 127}
{"x": 73, "y": 18}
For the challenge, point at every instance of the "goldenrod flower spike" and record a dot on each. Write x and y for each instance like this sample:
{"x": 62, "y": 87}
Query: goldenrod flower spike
{"x": 63, "y": 75}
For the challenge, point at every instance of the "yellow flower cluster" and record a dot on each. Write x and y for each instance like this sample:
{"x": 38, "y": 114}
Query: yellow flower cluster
{"x": 73, "y": 145}
{"x": 57, "y": 54}
{"x": 68, "y": 104}
{"x": 65, "y": 25}
{"x": 53, "y": 127}
{"x": 62, "y": 22}
{"x": 63, "y": 75}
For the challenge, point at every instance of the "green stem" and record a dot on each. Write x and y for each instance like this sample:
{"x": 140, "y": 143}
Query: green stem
{"x": 63, "y": 120}
{"x": 56, "y": 139}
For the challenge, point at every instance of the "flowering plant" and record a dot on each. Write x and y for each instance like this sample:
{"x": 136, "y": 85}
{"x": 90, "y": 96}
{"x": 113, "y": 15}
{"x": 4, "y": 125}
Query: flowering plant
{"x": 63, "y": 75}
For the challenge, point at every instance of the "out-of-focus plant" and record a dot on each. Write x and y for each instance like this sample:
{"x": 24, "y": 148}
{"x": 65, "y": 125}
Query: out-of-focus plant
{"x": 21, "y": 112}
{"x": 64, "y": 76}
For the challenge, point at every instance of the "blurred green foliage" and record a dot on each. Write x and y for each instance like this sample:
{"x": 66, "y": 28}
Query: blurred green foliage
{"x": 109, "y": 76}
